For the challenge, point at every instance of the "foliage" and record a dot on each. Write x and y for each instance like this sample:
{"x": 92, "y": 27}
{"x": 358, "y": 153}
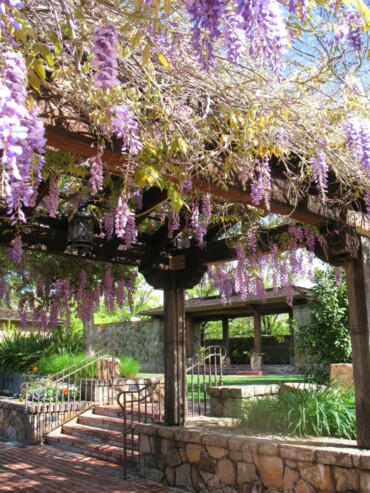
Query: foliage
{"x": 321, "y": 412}
{"x": 19, "y": 351}
{"x": 58, "y": 362}
{"x": 130, "y": 367}
{"x": 44, "y": 390}
{"x": 326, "y": 339}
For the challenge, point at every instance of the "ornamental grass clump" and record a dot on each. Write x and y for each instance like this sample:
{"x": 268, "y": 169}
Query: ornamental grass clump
{"x": 319, "y": 412}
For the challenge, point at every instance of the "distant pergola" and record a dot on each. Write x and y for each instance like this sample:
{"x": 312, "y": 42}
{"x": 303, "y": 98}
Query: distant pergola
{"x": 173, "y": 268}
{"x": 212, "y": 308}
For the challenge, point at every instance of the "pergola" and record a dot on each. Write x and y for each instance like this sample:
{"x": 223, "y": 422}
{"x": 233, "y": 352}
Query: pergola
{"x": 72, "y": 124}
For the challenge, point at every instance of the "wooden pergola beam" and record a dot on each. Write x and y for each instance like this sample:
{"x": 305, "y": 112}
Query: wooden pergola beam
{"x": 311, "y": 210}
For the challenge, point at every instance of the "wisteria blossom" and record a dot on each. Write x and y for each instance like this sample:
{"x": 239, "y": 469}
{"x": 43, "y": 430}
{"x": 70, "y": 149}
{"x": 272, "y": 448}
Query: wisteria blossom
{"x": 125, "y": 127}
{"x": 105, "y": 57}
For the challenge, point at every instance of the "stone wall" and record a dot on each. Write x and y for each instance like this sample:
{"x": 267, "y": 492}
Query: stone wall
{"x": 28, "y": 423}
{"x": 142, "y": 340}
{"x": 227, "y": 462}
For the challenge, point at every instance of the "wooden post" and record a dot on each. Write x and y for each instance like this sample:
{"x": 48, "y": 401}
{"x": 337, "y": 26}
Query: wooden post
{"x": 175, "y": 400}
{"x": 225, "y": 336}
{"x": 257, "y": 331}
{"x": 358, "y": 283}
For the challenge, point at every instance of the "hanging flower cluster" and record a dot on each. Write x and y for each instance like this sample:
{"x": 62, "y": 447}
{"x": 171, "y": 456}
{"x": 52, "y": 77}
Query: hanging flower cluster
{"x": 96, "y": 172}
{"x": 358, "y": 140}
{"x": 125, "y": 225}
{"x": 21, "y": 138}
{"x": 354, "y": 29}
{"x": 105, "y": 57}
{"x": 125, "y": 127}
{"x": 7, "y": 9}
{"x": 199, "y": 225}
{"x": 320, "y": 172}
{"x": 15, "y": 253}
{"x": 282, "y": 268}
{"x": 261, "y": 184}
{"x": 299, "y": 7}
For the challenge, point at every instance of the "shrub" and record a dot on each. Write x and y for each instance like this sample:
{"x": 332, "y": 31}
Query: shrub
{"x": 130, "y": 367}
{"x": 19, "y": 351}
{"x": 58, "y": 362}
{"x": 320, "y": 412}
{"x": 68, "y": 342}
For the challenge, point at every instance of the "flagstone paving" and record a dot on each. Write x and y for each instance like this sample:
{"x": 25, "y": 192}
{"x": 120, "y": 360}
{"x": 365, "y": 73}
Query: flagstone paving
{"x": 41, "y": 468}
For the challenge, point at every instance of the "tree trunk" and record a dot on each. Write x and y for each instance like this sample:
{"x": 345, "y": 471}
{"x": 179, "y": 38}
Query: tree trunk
{"x": 88, "y": 330}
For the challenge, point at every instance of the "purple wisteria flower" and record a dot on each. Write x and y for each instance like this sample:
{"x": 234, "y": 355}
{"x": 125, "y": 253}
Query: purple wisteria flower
{"x": 233, "y": 37}
{"x": 96, "y": 172}
{"x": 6, "y": 9}
{"x": 15, "y": 253}
{"x": 355, "y": 32}
{"x": 299, "y": 7}
{"x": 173, "y": 223}
{"x": 320, "y": 172}
{"x": 124, "y": 125}
{"x": 265, "y": 29}
{"x": 122, "y": 214}
{"x": 198, "y": 228}
{"x": 357, "y": 134}
{"x": 21, "y": 138}
{"x": 105, "y": 57}
{"x": 261, "y": 185}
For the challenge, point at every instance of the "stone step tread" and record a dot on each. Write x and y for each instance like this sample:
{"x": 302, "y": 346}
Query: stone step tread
{"x": 99, "y": 421}
{"x": 109, "y": 453}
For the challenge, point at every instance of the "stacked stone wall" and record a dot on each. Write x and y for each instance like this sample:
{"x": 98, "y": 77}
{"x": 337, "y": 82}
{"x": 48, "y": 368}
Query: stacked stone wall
{"x": 229, "y": 463}
{"x": 142, "y": 340}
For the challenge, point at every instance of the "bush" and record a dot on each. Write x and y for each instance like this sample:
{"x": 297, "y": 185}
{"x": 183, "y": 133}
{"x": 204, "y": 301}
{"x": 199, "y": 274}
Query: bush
{"x": 20, "y": 352}
{"x": 66, "y": 342}
{"x": 321, "y": 412}
{"x": 58, "y": 362}
{"x": 130, "y": 367}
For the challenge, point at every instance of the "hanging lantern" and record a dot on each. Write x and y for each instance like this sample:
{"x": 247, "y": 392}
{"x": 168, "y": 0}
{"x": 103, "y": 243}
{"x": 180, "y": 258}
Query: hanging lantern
{"x": 81, "y": 232}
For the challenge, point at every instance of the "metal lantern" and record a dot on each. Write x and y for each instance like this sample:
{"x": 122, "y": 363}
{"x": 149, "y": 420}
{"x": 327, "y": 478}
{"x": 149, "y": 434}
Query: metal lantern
{"x": 81, "y": 232}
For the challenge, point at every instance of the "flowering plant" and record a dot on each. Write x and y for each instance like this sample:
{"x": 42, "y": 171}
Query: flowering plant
{"x": 44, "y": 390}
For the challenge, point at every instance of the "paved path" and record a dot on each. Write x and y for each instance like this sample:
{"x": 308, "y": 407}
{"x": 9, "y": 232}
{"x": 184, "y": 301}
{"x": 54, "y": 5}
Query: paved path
{"x": 44, "y": 469}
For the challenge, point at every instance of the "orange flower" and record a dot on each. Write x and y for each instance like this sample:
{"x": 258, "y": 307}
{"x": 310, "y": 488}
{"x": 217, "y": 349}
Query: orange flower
{"x": 65, "y": 391}
{"x": 35, "y": 368}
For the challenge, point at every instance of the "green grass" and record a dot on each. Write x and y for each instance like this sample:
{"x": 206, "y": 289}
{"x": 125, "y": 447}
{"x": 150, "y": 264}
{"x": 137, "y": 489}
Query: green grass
{"x": 321, "y": 412}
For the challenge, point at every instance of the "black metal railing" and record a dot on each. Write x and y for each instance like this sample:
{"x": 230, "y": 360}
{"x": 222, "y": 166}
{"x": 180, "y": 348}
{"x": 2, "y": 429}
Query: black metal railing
{"x": 139, "y": 403}
{"x": 205, "y": 369}
{"x": 53, "y": 400}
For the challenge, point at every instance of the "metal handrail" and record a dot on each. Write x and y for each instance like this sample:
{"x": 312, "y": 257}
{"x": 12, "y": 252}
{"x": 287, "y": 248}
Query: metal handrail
{"x": 143, "y": 394}
{"x": 208, "y": 365}
{"x": 52, "y": 401}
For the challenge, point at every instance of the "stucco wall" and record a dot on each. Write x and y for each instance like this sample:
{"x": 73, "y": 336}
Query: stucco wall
{"x": 142, "y": 340}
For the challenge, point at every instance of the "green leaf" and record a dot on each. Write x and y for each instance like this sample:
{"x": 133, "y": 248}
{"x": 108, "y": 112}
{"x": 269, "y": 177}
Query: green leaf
{"x": 147, "y": 175}
{"x": 39, "y": 69}
{"x": 46, "y": 53}
{"x": 34, "y": 81}
{"x": 66, "y": 28}
{"x": 136, "y": 39}
{"x": 146, "y": 54}
{"x": 54, "y": 39}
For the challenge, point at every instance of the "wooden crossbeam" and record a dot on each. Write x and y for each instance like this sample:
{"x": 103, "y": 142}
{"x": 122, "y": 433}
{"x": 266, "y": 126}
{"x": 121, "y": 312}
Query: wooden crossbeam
{"x": 310, "y": 210}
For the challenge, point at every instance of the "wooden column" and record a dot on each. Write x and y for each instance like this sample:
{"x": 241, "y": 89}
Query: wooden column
{"x": 257, "y": 331}
{"x": 88, "y": 334}
{"x": 225, "y": 336}
{"x": 358, "y": 283}
{"x": 175, "y": 360}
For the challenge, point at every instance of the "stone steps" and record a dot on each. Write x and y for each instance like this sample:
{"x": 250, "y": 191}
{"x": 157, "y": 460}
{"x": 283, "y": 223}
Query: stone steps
{"x": 98, "y": 433}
